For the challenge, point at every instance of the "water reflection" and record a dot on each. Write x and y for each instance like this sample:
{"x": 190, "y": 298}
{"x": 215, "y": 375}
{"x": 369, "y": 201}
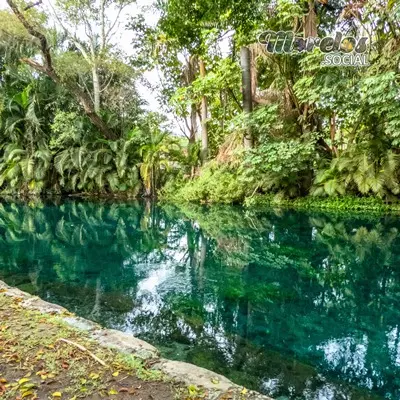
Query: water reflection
{"x": 297, "y": 305}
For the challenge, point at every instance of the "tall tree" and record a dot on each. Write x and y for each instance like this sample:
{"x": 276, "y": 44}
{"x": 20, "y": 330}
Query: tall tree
{"x": 245, "y": 60}
{"x": 48, "y": 69}
{"x": 204, "y": 116}
{"x": 97, "y": 44}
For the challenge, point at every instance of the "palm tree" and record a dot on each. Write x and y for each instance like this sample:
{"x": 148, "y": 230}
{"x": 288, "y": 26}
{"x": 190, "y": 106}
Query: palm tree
{"x": 360, "y": 170}
{"x": 156, "y": 156}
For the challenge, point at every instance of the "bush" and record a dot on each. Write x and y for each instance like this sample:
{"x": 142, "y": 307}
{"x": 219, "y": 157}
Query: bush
{"x": 336, "y": 203}
{"x": 216, "y": 184}
{"x": 280, "y": 167}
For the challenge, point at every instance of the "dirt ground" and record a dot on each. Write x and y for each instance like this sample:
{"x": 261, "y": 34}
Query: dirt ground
{"x": 42, "y": 358}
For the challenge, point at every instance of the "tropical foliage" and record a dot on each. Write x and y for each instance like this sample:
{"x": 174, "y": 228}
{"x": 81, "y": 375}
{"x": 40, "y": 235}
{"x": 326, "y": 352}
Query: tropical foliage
{"x": 234, "y": 120}
{"x": 56, "y": 134}
{"x": 316, "y": 130}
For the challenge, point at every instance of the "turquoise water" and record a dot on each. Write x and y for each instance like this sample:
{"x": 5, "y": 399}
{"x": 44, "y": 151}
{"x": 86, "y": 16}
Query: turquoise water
{"x": 296, "y": 305}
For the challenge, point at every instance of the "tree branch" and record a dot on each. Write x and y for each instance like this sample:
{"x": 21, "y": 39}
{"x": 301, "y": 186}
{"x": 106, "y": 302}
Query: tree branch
{"x": 32, "y": 5}
{"x": 44, "y": 47}
{"x": 108, "y": 83}
{"x": 47, "y": 68}
{"x": 108, "y": 35}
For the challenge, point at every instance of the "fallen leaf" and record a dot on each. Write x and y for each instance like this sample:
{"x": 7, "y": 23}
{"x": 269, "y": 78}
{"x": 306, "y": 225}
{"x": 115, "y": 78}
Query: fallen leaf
{"x": 116, "y": 373}
{"x": 193, "y": 390}
{"x": 26, "y": 387}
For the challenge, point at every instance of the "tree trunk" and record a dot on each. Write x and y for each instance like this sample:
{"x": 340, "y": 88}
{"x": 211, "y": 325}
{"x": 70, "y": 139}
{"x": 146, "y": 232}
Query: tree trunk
{"x": 103, "y": 24}
{"x": 309, "y": 30}
{"x": 193, "y": 124}
{"x": 245, "y": 61}
{"x": 332, "y": 124}
{"x": 190, "y": 76}
{"x": 253, "y": 71}
{"x": 204, "y": 112}
{"x": 192, "y": 134}
{"x": 96, "y": 89}
{"x": 192, "y": 68}
{"x": 222, "y": 100}
{"x": 310, "y": 21}
{"x": 153, "y": 183}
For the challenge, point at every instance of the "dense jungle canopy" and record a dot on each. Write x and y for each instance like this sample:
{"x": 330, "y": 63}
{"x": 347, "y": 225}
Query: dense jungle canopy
{"x": 235, "y": 121}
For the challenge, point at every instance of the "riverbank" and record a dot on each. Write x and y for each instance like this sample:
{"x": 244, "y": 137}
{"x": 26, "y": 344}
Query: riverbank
{"x": 48, "y": 353}
{"x": 332, "y": 204}
{"x": 339, "y": 204}
{"x": 256, "y": 202}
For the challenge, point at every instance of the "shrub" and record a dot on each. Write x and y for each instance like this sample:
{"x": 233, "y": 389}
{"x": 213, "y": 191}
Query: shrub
{"x": 215, "y": 184}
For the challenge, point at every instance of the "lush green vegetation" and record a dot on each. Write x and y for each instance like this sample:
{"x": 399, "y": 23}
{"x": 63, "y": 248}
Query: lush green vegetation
{"x": 246, "y": 122}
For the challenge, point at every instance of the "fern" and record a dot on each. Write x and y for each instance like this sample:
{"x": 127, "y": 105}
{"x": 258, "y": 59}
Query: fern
{"x": 359, "y": 171}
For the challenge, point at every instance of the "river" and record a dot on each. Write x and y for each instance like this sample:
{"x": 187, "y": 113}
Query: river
{"x": 295, "y": 305}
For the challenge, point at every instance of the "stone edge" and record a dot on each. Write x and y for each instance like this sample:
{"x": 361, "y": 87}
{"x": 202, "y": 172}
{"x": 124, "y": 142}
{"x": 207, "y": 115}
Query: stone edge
{"x": 217, "y": 386}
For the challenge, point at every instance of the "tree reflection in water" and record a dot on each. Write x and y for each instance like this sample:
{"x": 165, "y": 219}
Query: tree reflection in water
{"x": 297, "y": 305}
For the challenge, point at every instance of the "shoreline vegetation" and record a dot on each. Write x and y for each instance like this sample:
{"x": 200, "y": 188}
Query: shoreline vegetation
{"x": 331, "y": 204}
{"x": 211, "y": 192}
{"x": 256, "y": 203}
{"x": 261, "y": 202}
{"x": 237, "y": 123}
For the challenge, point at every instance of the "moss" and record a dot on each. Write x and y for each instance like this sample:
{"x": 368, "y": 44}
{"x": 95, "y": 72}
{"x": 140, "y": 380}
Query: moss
{"x": 345, "y": 203}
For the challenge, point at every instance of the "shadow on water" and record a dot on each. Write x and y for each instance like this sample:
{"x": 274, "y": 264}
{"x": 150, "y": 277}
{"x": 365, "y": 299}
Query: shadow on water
{"x": 295, "y": 305}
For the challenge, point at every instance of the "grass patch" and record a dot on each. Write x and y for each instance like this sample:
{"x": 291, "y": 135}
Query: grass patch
{"x": 345, "y": 203}
{"x": 43, "y": 358}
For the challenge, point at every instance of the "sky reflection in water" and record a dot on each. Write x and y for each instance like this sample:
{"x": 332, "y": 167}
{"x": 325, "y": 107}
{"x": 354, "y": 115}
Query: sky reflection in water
{"x": 296, "y": 305}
